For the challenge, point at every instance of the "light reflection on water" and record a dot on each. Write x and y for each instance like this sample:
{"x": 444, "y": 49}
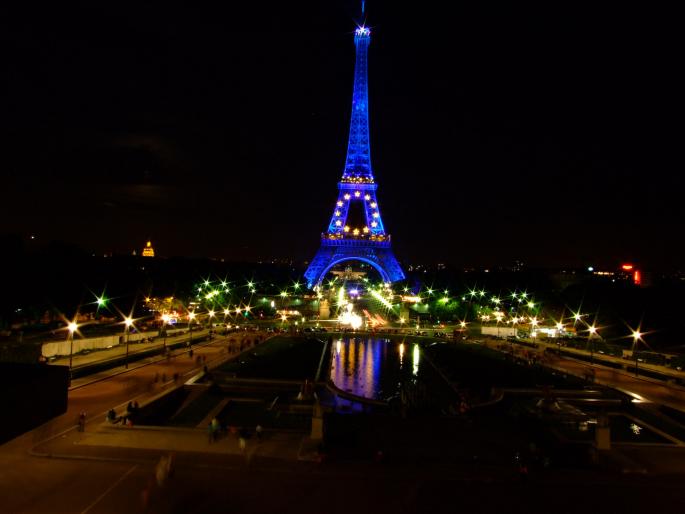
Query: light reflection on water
{"x": 370, "y": 367}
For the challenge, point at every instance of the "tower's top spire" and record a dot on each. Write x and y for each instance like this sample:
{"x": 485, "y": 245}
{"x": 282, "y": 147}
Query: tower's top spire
{"x": 358, "y": 162}
{"x": 362, "y": 31}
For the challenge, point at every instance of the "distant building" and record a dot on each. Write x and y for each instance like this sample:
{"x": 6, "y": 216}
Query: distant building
{"x": 148, "y": 251}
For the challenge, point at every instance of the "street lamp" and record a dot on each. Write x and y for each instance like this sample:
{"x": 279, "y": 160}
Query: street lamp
{"x": 71, "y": 327}
{"x": 514, "y": 321}
{"x": 209, "y": 322}
{"x": 165, "y": 321}
{"x": 498, "y": 317}
{"x": 560, "y": 329}
{"x": 534, "y": 323}
{"x": 191, "y": 317}
{"x": 128, "y": 321}
{"x": 592, "y": 330}
{"x": 637, "y": 336}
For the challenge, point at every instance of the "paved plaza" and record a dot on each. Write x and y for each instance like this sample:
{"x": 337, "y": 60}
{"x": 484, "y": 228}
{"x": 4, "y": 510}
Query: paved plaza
{"x": 106, "y": 468}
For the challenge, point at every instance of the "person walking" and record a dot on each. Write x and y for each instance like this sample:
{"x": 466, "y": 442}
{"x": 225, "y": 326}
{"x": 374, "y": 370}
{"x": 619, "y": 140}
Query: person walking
{"x": 82, "y": 421}
{"x": 258, "y": 431}
{"x": 215, "y": 428}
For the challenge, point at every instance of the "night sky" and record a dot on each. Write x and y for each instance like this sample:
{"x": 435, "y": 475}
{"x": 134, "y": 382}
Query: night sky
{"x": 543, "y": 133}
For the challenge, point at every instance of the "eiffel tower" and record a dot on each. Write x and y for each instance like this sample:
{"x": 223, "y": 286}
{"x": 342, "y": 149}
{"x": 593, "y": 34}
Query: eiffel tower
{"x": 356, "y": 231}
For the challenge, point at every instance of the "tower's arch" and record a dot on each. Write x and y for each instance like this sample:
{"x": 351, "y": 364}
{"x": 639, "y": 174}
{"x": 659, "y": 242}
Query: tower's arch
{"x": 375, "y": 265}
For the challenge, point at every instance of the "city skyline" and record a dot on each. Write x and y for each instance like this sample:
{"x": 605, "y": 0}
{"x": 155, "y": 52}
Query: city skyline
{"x": 537, "y": 135}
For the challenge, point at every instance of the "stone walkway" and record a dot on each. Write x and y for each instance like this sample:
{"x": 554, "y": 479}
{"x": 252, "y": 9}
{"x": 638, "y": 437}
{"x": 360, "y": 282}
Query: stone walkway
{"x": 283, "y": 445}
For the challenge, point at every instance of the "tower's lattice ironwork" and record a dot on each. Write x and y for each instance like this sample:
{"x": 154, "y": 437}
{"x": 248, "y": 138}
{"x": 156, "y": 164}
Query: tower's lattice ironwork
{"x": 367, "y": 240}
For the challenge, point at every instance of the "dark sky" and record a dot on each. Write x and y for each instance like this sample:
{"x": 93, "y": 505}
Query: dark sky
{"x": 545, "y": 133}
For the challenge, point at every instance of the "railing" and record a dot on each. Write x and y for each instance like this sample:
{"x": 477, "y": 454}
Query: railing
{"x": 355, "y": 243}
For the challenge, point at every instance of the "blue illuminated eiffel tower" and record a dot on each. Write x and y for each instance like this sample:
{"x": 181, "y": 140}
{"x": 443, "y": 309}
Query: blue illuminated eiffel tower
{"x": 356, "y": 230}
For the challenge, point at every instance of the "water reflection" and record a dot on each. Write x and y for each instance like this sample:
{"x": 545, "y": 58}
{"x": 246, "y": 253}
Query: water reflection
{"x": 371, "y": 367}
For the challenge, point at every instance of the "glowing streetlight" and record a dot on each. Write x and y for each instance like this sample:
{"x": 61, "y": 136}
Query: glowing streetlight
{"x": 591, "y": 331}
{"x": 128, "y": 321}
{"x": 637, "y": 337}
{"x": 191, "y": 317}
{"x": 165, "y": 320}
{"x": 71, "y": 327}
{"x": 533, "y": 324}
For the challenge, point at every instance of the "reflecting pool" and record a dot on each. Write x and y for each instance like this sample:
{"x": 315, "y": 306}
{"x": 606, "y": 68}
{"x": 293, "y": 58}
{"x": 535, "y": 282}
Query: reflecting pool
{"x": 373, "y": 367}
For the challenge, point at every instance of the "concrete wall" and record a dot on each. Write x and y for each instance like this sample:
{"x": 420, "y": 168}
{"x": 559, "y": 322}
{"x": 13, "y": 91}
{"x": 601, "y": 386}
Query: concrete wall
{"x": 501, "y": 331}
{"x": 98, "y": 343}
{"x": 92, "y": 343}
